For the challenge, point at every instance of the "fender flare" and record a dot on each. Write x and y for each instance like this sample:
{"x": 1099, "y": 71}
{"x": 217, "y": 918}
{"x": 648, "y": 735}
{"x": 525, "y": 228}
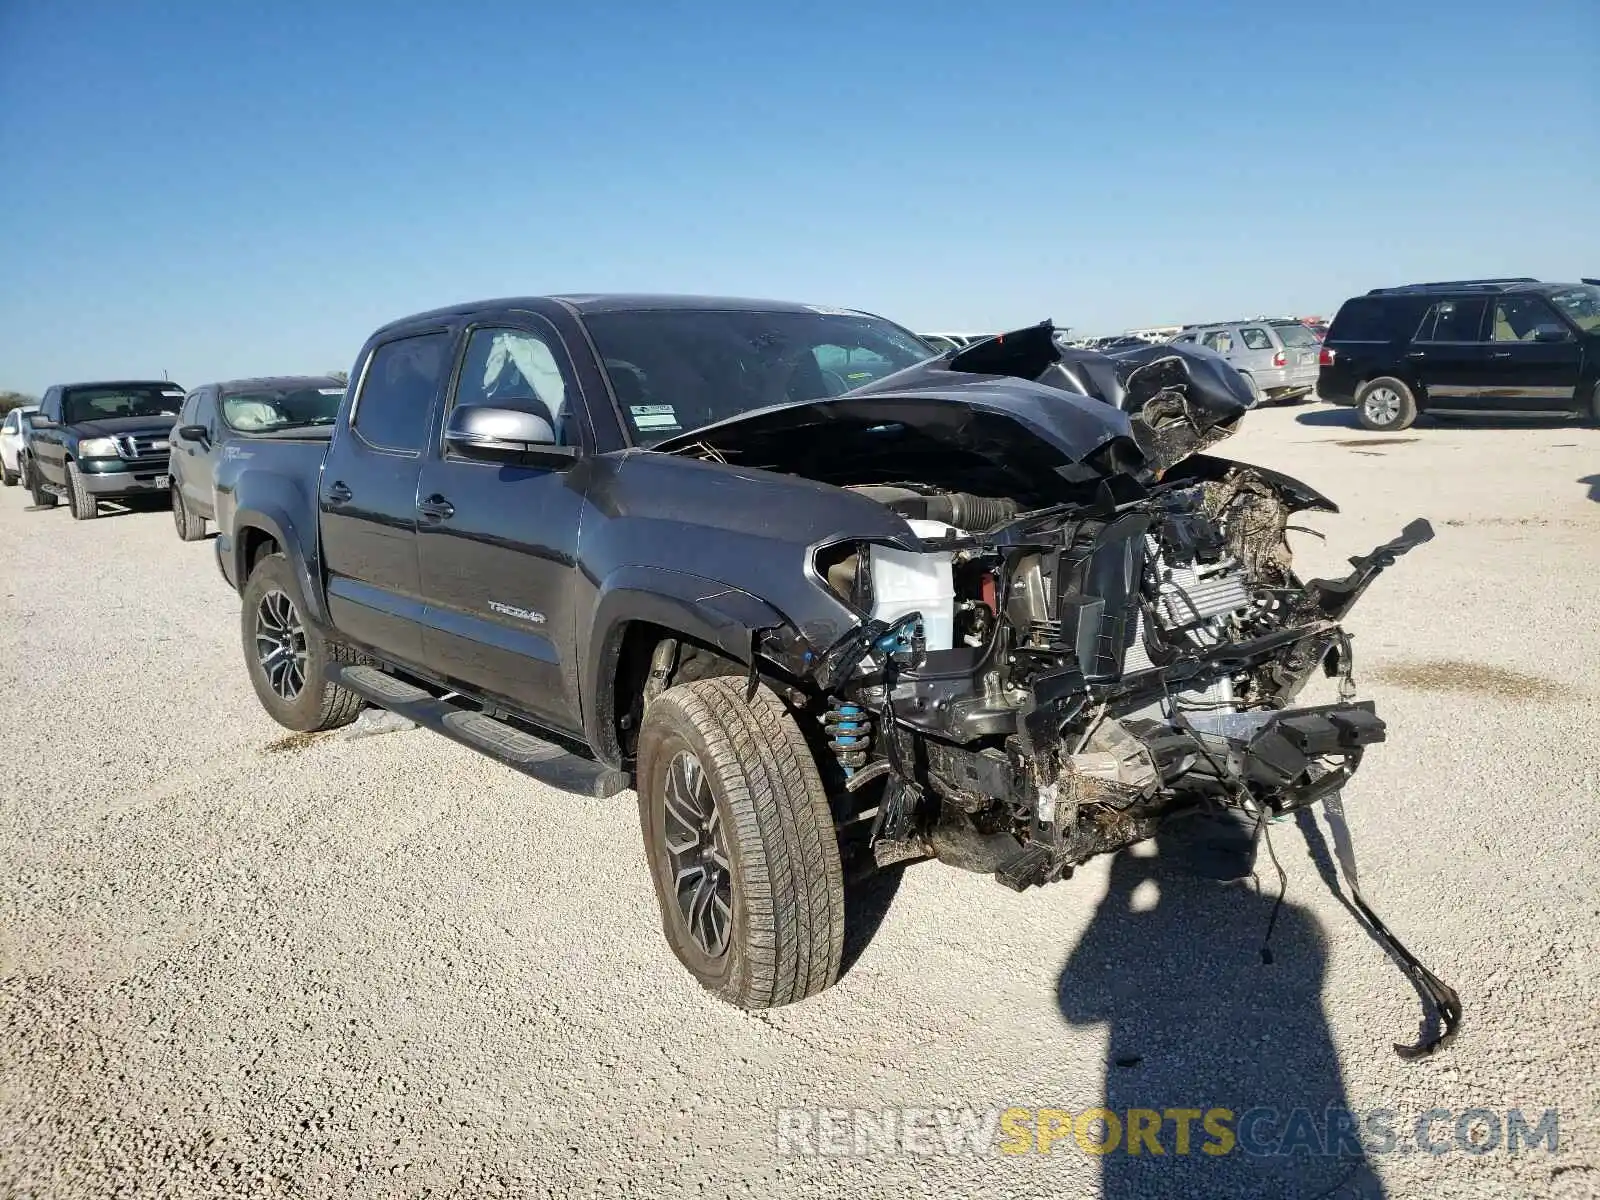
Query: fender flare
{"x": 716, "y": 614}
{"x": 277, "y": 524}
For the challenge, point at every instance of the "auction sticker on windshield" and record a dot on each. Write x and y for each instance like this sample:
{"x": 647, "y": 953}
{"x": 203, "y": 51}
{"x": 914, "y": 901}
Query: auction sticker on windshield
{"x": 654, "y": 416}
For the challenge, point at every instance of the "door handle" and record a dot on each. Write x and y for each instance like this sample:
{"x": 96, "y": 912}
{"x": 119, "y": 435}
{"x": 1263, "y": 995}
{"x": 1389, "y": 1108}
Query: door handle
{"x": 1417, "y": 354}
{"x": 437, "y": 508}
{"x": 1500, "y": 354}
{"x": 338, "y": 493}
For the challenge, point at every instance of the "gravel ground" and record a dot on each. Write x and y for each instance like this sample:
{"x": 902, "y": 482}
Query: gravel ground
{"x": 238, "y": 963}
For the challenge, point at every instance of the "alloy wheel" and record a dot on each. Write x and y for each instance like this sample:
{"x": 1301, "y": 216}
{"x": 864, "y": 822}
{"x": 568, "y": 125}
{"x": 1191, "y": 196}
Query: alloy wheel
{"x": 281, "y": 644}
{"x": 1382, "y": 406}
{"x": 702, "y": 875}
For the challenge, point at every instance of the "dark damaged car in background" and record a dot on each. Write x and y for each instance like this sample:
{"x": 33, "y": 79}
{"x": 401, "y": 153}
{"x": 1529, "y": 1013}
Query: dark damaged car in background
{"x": 824, "y": 600}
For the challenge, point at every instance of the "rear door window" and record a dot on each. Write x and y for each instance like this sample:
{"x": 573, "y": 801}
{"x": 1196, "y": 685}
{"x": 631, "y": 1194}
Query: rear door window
{"x": 1255, "y": 338}
{"x": 1453, "y": 321}
{"x": 398, "y": 389}
{"x": 1219, "y": 340}
{"x": 1371, "y": 319}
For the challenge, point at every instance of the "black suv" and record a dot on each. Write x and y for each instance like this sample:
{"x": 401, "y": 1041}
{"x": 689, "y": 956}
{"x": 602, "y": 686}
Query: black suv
{"x": 1498, "y": 347}
{"x": 101, "y": 441}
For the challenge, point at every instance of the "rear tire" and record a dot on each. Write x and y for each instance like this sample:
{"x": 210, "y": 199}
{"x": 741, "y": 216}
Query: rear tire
{"x": 84, "y": 506}
{"x": 289, "y": 660}
{"x": 740, "y": 842}
{"x": 190, "y": 528}
{"x": 1385, "y": 405}
{"x": 30, "y": 480}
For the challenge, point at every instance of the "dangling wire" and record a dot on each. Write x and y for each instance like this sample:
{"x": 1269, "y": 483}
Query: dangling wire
{"x": 1265, "y": 835}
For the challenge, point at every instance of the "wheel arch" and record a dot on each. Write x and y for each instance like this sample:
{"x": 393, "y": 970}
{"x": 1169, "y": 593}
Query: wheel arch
{"x": 257, "y": 533}
{"x": 638, "y": 608}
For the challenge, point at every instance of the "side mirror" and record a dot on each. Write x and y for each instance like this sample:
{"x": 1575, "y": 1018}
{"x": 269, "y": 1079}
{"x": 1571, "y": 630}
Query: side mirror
{"x": 1549, "y": 333}
{"x": 194, "y": 433}
{"x": 506, "y": 435}
{"x": 38, "y": 420}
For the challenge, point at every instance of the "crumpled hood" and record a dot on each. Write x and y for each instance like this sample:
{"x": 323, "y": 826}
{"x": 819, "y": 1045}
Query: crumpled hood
{"x": 1018, "y": 400}
{"x": 1011, "y": 422}
{"x": 1181, "y": 398}
{"x": 117, "y": 426}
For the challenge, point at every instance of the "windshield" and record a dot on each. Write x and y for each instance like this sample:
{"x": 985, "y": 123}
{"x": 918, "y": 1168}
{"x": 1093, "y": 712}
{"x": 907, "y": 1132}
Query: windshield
{"x": 1293, "y": 333}
{"x": 281, "y": 408}
{"x": 120, "y": 400}
{"x": 1580, "y": 305}
{"x": 678, "y": 369}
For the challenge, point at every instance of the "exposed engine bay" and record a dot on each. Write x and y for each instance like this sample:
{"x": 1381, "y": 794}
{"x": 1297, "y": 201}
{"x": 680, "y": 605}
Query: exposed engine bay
{"x": 1076, "y": 677}
{"x": 1093, "y": 628}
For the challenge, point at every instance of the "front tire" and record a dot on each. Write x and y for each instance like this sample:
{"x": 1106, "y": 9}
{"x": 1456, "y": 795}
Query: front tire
{"x": 288, "y": 660}
{"x": 84, "y": 506}
{"x": 30, "y": 480}
{"x": 190, "y": 527}
{"x": 1385, "y": 404}
{"x": 8, "y": 477}
{"x": 740, "y": 842}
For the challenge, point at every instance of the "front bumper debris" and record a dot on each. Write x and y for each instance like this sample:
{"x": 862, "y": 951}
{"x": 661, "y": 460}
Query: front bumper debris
{"x": 1287, "y": 753}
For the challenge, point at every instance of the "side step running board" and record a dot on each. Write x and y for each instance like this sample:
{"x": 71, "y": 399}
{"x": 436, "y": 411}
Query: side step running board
{"x": 534, "y": 757}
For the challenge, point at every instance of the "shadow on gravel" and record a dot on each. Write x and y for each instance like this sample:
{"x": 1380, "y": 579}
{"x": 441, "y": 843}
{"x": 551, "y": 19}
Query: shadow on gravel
{"x": 866, "y": 904}
{"x": 1594, "y": 486}
{"x": 1325, "y": 418}
{"x": 1172, "y": 964}
{"x": 1345, "y": 418}
{"x": 132, "y": 505}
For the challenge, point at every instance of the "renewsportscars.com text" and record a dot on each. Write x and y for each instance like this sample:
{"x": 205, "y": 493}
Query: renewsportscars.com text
{"x": 1337, "y": 1132}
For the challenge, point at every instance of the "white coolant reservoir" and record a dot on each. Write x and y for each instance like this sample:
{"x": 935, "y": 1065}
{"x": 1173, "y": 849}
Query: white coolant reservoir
{"x": 904, "y": 582}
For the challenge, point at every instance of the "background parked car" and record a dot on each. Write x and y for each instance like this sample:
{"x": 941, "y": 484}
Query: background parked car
{"x": 221, "y": 415}
{"x": 11, "y": 431}
{"x": 1501, "y": 347}
{"x": 1276, "y": 355}
{"x": 101, "y": 441}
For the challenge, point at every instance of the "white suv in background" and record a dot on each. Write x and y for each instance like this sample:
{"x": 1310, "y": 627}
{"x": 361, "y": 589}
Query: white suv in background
{"x": 11, "y": 443}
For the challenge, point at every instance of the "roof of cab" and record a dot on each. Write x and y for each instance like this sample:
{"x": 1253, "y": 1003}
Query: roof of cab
{"x": 588, "y": 303}
{"x": 270, "y": 382}
{"x": 116, "y": 383}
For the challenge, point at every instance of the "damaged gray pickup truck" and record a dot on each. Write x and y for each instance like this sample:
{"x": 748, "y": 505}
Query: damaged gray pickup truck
{"x": 822, "y": 598}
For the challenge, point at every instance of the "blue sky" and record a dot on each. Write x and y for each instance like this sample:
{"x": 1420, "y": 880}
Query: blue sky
{"x": 223, "y": 189}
